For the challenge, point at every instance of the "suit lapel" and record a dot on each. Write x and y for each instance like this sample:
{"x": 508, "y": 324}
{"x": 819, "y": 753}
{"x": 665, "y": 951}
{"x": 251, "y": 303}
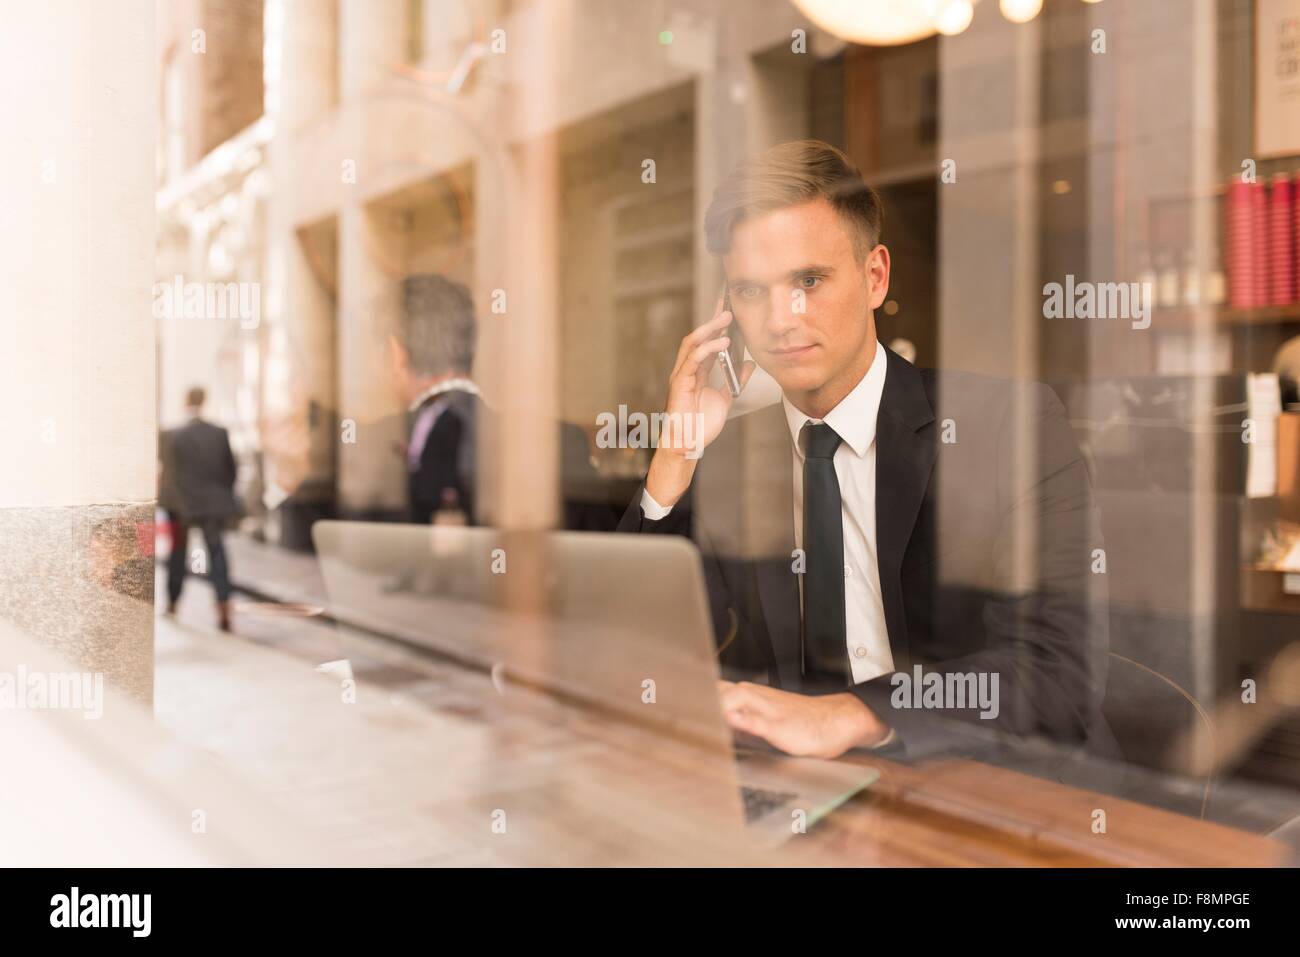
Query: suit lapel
{"x": 905, "y": 454}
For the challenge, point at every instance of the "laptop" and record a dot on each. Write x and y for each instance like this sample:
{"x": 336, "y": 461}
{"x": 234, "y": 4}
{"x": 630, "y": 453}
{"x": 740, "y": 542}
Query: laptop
{"x": 614, "y": 626}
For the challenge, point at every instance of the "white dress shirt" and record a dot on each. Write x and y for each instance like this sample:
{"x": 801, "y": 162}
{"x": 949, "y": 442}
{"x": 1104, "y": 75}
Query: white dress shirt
{"x": 854, "y": 420}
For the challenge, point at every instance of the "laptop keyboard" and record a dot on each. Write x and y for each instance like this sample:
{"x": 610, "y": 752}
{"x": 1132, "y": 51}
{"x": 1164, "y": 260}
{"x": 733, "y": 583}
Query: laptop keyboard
{"x": 760, "y": 802}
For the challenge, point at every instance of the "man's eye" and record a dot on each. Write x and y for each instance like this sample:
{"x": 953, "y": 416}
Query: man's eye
{"x": 748, "y": 292}
{"x": 810, "y": 282}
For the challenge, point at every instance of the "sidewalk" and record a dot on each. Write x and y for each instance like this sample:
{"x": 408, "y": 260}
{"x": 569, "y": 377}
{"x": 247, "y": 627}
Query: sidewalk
{"x": 358, "y": 776}
{"x": 421, "y": 766}
{"x": 274, "y": 573}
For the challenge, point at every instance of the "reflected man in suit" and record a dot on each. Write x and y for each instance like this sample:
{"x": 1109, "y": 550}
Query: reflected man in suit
{"x": 432, "y": 354}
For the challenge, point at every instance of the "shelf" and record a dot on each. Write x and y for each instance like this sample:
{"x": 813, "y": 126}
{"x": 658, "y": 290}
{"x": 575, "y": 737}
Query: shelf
{"x": 1226, "y": 316}
{"x": 1269, "y": 590}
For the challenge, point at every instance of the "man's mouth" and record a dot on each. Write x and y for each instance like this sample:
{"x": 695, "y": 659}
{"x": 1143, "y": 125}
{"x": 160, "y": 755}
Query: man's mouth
{"x": 791, "y": 352}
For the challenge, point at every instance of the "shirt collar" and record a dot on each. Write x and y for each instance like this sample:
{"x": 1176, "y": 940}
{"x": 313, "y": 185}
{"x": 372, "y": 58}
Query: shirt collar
{"x": 854, "y": 419}
{"x": 458, "y": 384}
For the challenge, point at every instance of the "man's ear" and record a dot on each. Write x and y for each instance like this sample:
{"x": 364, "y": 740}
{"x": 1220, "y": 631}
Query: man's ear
{"x": 877, "y": 270}
{"x": 398, "y": 357}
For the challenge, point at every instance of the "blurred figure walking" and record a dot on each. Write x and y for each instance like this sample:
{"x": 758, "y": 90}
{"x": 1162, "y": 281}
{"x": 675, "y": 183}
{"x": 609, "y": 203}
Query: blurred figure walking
{"x": 196, "y": 489}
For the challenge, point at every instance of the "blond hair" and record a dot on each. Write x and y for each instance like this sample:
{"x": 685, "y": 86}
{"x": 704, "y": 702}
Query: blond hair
{"x": 790, "y": 174}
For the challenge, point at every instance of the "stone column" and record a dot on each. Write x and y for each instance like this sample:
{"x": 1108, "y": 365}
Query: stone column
{"x": 298, "y": 400}
{"x": 77, "y": 472}
{"x": 372, "y": 44}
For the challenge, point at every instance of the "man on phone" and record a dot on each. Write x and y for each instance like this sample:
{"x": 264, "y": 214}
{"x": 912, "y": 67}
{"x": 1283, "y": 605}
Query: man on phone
{"x": 863, "y": 538}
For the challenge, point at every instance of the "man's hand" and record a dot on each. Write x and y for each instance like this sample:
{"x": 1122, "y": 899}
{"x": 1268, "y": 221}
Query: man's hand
{"x": 691, "y": 399}
{"x": 802, "y": 725}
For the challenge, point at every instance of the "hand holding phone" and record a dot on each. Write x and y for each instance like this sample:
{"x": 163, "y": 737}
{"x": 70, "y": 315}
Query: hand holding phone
{"x": 729, "y": 358}
{"x": 696, "y": 404}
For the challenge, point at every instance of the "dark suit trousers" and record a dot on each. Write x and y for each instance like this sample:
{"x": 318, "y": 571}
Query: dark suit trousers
{"x": 178, "y": 563}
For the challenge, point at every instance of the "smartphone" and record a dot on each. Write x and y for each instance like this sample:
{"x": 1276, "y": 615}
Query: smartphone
{"x": 730, "y": 358}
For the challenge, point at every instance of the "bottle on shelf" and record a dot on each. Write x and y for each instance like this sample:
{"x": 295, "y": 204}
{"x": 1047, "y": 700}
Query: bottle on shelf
{"x": 1167, "y": 281}
{"x": 1214, "y": 290}
{"x": 1146, "y": 275}
{"x": 1191, "y": 280}
{"x": 1281, "y": 238}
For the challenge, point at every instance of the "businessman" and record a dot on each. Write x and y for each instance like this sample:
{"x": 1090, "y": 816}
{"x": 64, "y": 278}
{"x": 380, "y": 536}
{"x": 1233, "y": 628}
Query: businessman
{"x": 864, "y": 539}
{"x": 197, "y": 489}
{"x": 431, "y": 356}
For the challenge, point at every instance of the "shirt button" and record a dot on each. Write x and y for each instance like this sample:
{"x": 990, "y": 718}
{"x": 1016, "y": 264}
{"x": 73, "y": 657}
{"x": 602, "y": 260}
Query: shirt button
{"x": 860, "y": 651}
{"x": 848, "y": 571}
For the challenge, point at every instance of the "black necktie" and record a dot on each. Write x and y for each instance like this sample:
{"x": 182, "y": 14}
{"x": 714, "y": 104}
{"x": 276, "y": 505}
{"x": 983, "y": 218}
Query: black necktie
{"x": 826, "y": 656}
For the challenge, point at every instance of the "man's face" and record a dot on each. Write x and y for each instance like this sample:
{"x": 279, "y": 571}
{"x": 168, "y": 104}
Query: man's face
{"x": 803, "y": 301}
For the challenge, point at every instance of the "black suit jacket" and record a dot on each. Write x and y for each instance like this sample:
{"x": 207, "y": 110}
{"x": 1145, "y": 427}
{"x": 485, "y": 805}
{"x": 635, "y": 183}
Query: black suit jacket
{"x": 954, "y": 489}
{"x": 446, "y": 466}
{"x": 199, "y": 472}
{"x": 448, "y": 462}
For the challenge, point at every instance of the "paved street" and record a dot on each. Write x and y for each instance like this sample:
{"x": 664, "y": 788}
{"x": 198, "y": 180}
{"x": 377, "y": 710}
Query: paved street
{"x": 413, "y": 770}
{"x": 361, "y": 774}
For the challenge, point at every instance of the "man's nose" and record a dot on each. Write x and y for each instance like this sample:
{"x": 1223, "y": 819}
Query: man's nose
{"x": 782, "y": 316}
